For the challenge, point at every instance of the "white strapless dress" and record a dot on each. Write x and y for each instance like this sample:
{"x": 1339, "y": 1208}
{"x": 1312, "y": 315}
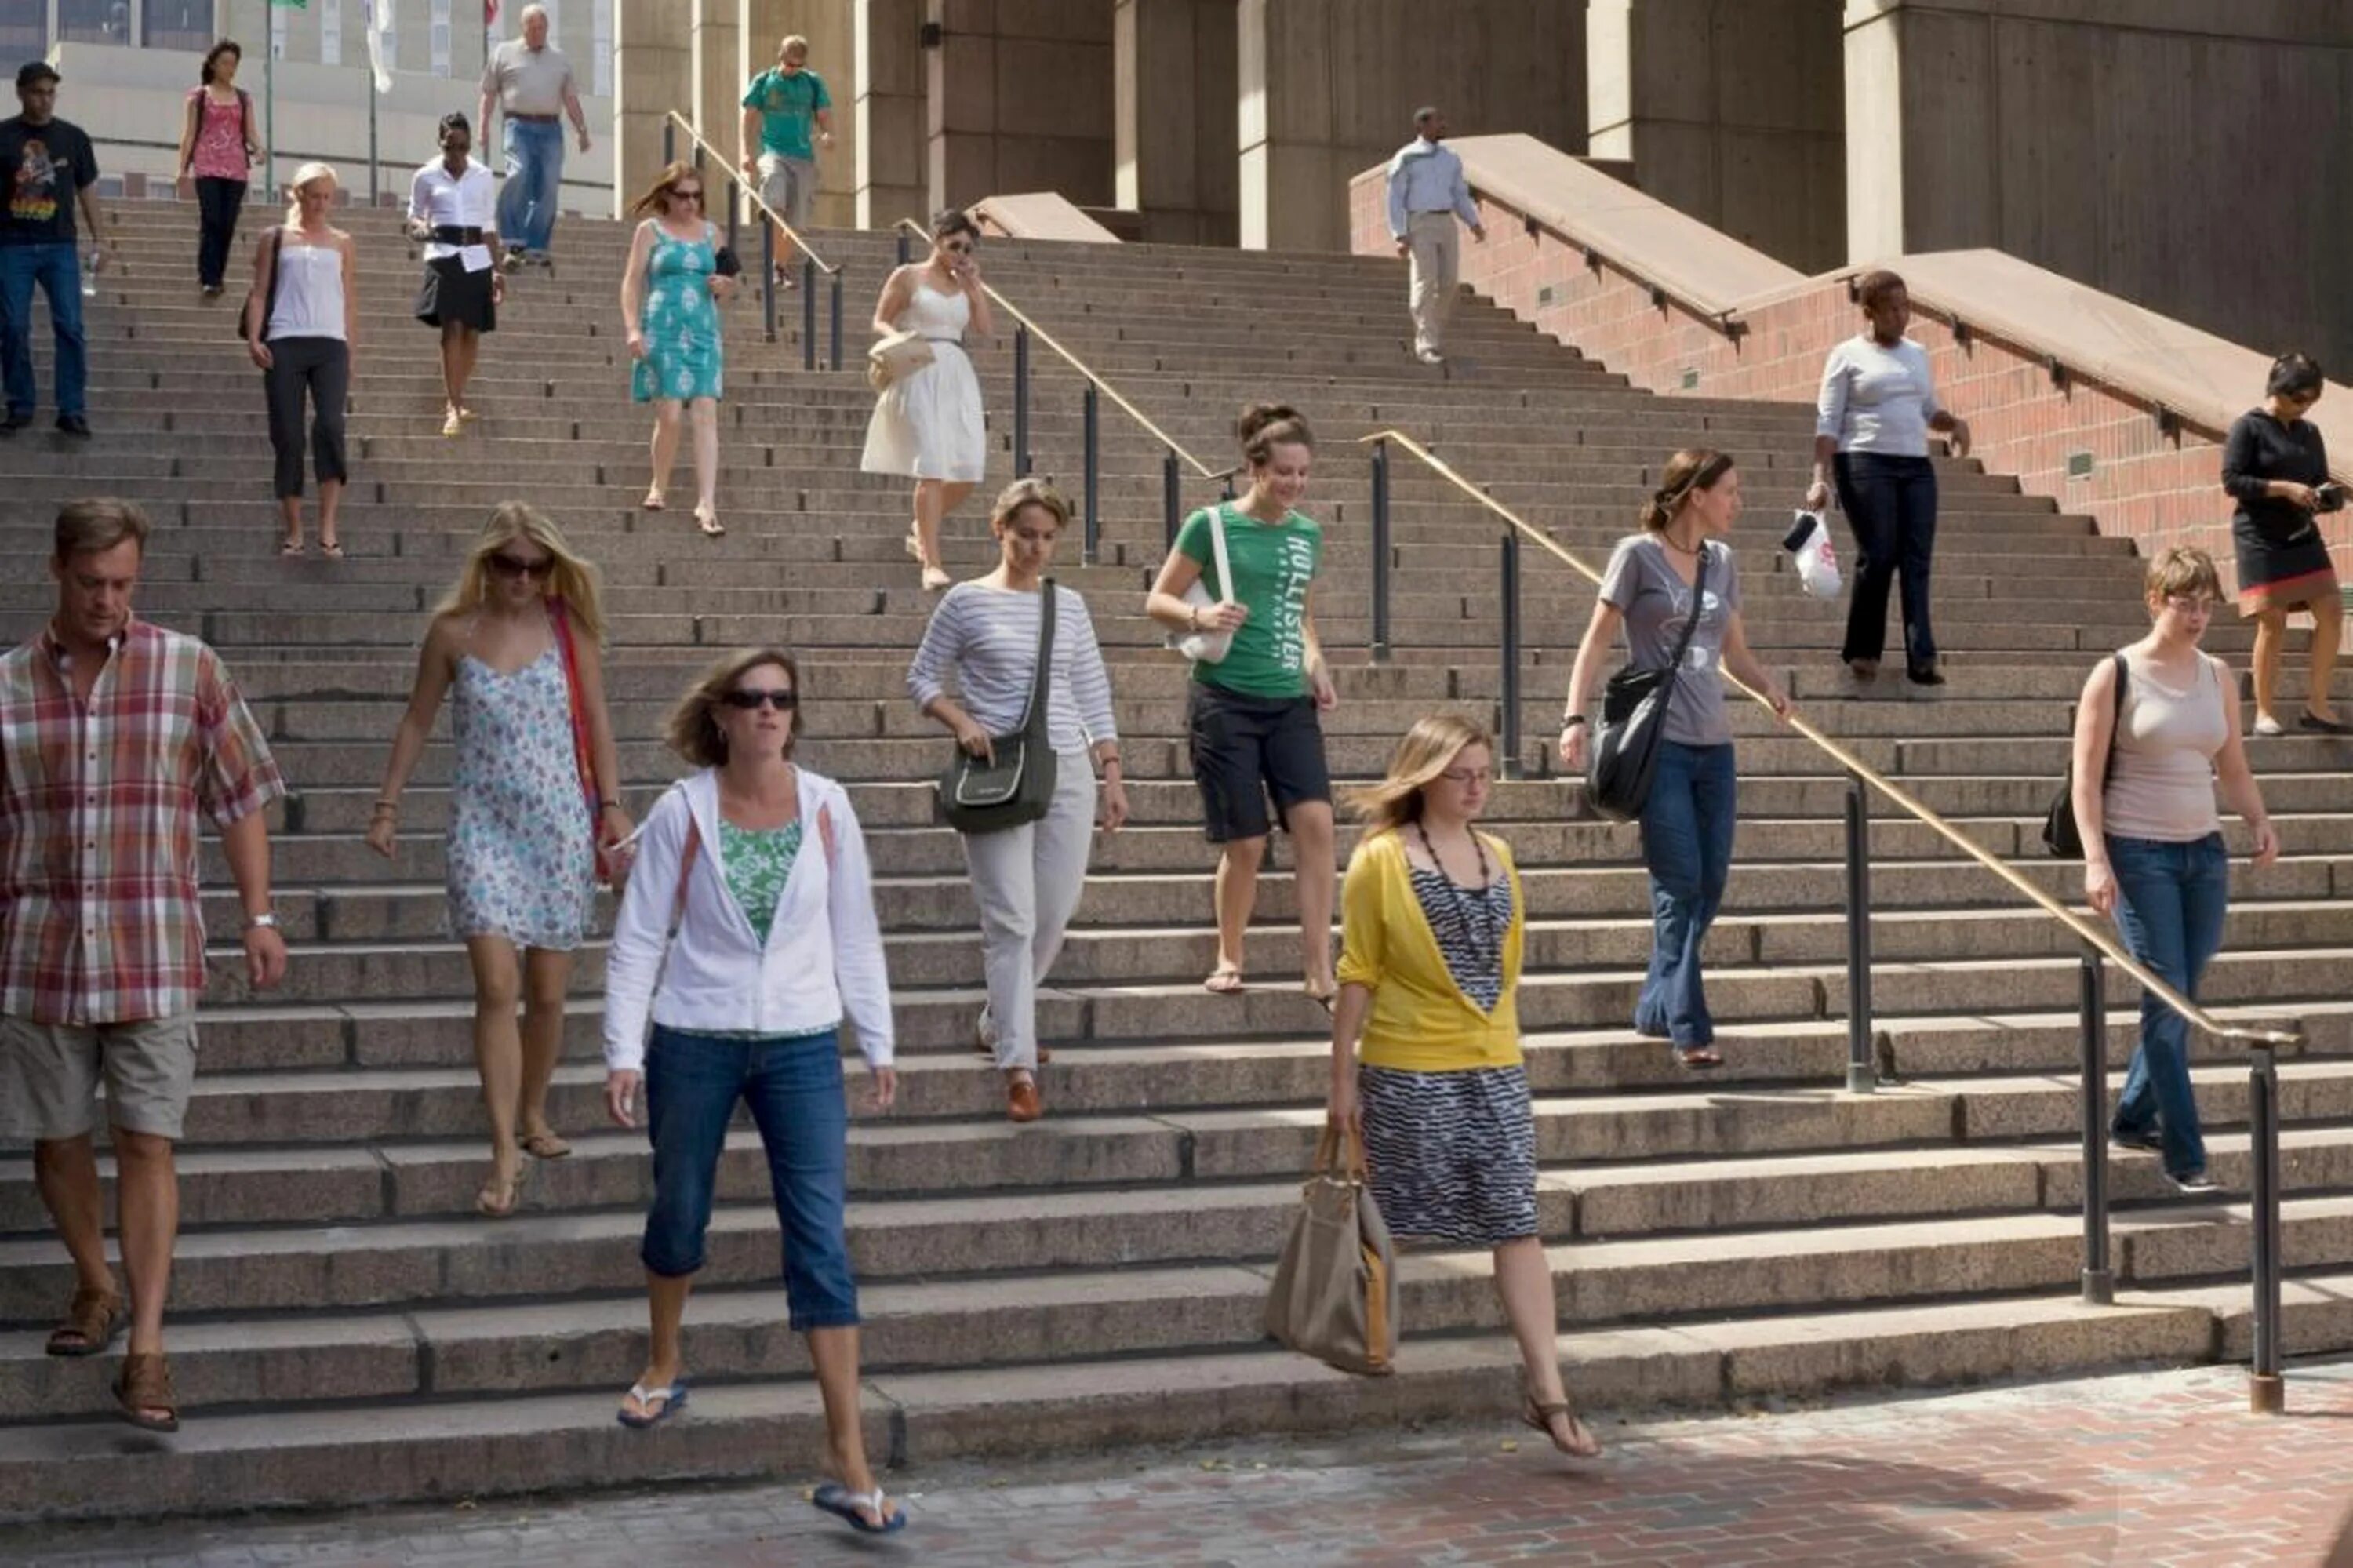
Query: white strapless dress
{"x": 928, "y": 425}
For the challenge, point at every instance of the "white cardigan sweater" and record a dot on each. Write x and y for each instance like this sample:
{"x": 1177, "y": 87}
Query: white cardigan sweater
{"x": 823, "y": 962}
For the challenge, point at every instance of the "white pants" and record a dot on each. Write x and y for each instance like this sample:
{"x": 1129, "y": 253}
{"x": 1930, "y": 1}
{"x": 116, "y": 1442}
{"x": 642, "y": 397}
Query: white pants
{"x": 1434, "y": 243}
{"x": 1026, "y": 880}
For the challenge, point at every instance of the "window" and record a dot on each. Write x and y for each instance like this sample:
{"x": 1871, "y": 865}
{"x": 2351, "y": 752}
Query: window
{"x": 24, "y": 29}
{"x": 601, "y": 48}
{"x": 437, "y": 37}
{"x": 93, "y": 21}
{"x": 178, "y": 24}
{"x": 331, "y": 31}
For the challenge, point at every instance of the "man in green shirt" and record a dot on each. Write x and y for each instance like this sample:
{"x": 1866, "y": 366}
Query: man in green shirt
{"x": 779, "y": 108}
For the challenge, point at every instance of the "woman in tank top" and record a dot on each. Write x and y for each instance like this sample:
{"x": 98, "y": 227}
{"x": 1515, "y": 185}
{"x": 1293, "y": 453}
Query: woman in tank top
{"x": 300, "y": 321}
{"x": 2146, "y": 764}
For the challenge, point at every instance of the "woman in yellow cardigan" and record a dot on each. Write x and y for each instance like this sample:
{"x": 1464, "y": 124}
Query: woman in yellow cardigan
{"x": 1429, "y": 963}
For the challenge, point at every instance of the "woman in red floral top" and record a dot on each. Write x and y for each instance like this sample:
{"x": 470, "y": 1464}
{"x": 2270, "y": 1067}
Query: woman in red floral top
{"x": 217, "y": 150}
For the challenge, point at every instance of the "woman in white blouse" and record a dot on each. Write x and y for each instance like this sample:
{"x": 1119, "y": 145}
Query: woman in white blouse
{"x": 762, "y": 866}
{"x": 1027, "y": 879}
{"x": 1877, "y": 405}
{"x": 453, "y": 213}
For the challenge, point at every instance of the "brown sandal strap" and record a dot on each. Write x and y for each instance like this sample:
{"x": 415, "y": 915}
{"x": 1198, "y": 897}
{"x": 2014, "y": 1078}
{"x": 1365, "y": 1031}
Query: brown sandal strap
{"x": 93, "y": 1318}
{"x": 146, "y": 1384}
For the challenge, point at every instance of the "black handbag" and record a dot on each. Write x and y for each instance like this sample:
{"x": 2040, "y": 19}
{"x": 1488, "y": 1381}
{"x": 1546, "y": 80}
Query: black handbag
{"x": 977, "y": 795}
{"x": 2061, "y": 834}
{"x": 275, "y": 243}
{"x": 1634, "y": 721}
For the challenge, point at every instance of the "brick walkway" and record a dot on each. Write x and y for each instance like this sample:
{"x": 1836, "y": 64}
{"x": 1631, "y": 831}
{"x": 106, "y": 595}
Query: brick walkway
{"x": 2155, "y": 1470}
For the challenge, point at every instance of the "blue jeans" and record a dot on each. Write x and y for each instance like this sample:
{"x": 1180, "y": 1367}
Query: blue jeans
{"x": 57, "y": 269}
{"x": 2171, "y": 899}
{"x": 534, "y": 178}
{"x": 1891, "y": 504}
{"x": 794, "y": 1086}
{"x": 1687, "y": 845}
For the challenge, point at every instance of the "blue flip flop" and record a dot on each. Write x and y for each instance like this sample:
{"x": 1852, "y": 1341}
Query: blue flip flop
{"x": 843, "y": 1503}
{"x": 673, "y": 1399}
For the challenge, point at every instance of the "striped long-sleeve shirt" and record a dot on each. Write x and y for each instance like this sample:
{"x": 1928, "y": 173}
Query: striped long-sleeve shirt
{"x": 987, "y": 638}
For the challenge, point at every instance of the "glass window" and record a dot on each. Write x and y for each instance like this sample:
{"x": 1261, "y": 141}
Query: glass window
{"x": 94, "y": 21}
{"x": 24, "y": 29}
{"x": 179, "y": 25}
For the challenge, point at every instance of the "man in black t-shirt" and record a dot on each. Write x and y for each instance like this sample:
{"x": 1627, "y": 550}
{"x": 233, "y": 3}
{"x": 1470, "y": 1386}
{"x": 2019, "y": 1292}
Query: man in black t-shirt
{"x": 45, "y": 166}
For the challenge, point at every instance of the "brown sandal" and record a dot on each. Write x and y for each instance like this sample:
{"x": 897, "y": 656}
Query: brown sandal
{"x": 91, "y": 1323}
{"x": 145, "y": 1387}
{"x": 545, "y": 1146}
{"x": 1540, "y": 1416}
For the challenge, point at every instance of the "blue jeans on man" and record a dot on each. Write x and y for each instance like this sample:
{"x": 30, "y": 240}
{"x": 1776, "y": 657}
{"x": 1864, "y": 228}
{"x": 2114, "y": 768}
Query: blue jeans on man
{"x": 1687, "y": 826}
{"x": 2170, "y": 900}
{"x": 57, "y": 269}
{"x": 535, "y": 150}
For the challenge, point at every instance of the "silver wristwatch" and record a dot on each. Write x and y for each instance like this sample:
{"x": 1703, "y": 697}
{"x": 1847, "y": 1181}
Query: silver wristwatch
{"x": 265, "y": 921}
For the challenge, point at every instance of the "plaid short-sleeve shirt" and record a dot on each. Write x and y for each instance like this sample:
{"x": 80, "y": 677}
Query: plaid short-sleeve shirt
{"x": 99, "y": 921}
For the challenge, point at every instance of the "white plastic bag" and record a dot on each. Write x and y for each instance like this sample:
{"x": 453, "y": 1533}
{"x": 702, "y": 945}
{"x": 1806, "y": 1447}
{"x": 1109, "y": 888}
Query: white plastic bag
{"x": 1808, "y": 543}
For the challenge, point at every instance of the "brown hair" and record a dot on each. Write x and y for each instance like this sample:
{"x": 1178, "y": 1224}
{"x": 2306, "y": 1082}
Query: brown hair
{"x": 1024, "y": 492}
{"x": 99, "y": 522}
{"x": 1874, "y": 286}
{"x": 651, "y": 203}
{"x": 574, "y": 578}
{"x": 953, "y": 220}
{"x": 1429, "y": 749}
{"x": 212, "y": 59}
{"x": 793, "y": 44}
{"x": 1693, "y": 468}
{"x": 2182, "y": 569}
{"x": 693, "y": 730}
{"x": 1266, "y": 426}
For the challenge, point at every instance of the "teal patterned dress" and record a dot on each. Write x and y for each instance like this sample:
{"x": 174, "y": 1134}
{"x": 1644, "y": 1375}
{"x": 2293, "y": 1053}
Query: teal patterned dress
{"x": 680, "y": 322}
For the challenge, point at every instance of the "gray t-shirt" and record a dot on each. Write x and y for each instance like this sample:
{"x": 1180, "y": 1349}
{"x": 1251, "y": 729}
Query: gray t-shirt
{"x": 1642, "y": 585}
{"x": 526, "y": 80}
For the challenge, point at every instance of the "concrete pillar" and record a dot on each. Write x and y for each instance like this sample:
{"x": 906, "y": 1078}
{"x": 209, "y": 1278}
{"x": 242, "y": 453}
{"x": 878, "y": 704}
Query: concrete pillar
{"x": 831, "y": 27}
{"x": 1176, "y": 145}
{"x": 888, "y": 102}
{"x": 652, "y": 74}
{"x": 1020, "y": 100}
{"x": 714, "y": 42}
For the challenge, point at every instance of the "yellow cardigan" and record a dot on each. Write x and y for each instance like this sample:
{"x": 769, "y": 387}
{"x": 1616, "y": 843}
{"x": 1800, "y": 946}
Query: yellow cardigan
{"x": 1421, "y": 1022}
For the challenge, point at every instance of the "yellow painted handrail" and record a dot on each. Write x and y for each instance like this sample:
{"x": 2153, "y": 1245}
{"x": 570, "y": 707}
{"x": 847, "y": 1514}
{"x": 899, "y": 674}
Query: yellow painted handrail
{"x": 2101, "y": 939}
{"x": 1081, "y": 365}
{"x": 683, "y": 124}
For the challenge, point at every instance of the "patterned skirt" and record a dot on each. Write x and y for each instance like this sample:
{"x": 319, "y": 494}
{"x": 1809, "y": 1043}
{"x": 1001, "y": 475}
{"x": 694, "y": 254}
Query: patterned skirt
{"x": 1454, "y": 1155}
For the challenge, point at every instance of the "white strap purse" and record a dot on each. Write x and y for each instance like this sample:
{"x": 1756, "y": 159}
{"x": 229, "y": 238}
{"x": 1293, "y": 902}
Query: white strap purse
{"x": 1208, "y": 646}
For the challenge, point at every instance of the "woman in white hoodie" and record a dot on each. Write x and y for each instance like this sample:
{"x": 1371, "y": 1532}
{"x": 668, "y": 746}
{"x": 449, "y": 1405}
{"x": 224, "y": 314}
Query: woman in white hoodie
{"x": 760, "y": 865}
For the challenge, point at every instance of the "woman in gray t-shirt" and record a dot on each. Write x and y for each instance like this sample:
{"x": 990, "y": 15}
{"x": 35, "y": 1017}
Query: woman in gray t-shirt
{"x": 1688, "y": 819}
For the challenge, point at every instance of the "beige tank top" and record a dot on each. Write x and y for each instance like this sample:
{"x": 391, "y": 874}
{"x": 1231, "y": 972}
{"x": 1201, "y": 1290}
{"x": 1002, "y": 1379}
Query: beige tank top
{"x": 2163, "y": 786}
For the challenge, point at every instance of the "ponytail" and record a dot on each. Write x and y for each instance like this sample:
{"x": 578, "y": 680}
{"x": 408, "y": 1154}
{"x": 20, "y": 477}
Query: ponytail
{"x": 1693, "y": 468}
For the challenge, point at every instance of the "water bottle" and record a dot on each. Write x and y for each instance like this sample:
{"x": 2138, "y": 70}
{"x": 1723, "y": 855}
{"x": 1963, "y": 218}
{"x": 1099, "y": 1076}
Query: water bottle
{"x": 90, "y": 275}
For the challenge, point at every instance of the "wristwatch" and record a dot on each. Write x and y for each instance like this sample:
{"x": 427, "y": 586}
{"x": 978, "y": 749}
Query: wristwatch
{"x": 265, "y": 921}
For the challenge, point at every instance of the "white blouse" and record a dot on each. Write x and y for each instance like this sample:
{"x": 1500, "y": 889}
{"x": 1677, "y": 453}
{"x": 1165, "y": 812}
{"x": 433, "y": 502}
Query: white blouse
{"x": 461, "y": 201}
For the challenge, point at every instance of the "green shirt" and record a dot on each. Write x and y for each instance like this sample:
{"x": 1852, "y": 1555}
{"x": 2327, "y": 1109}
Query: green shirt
{"x": 787, "y": 106}
{"x": 758, "y": 861}
{"x": 1273, "y": 565}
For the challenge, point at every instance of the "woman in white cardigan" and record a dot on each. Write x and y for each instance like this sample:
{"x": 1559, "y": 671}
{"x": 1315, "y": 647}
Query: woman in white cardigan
{"x": 760, "y": 865}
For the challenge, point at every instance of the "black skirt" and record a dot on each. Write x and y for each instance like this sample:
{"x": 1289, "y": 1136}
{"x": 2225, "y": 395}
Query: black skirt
{"x": 2281, "y": 573}
{"x": 450, "y": 293}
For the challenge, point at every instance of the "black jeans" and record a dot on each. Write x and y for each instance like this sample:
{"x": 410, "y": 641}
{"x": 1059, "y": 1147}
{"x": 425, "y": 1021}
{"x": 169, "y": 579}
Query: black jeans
{"x": 1891, "y": 504}
{"x": 218, "y": 204}
{"x": 322, "y": 367}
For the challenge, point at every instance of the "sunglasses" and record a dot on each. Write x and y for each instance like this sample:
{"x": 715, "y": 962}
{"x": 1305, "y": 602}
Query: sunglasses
{"x": 686, "y": 195}
{"x": 957, "y": 248}
{"x": 508, "y": 565}
{"x": 751, "y": 700}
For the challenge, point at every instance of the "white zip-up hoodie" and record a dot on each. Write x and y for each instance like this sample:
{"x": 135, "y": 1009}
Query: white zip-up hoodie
{"x": 823, "y": 962}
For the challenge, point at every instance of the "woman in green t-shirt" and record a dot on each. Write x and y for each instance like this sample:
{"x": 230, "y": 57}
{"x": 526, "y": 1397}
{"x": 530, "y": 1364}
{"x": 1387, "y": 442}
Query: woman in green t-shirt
{"x": 1252, "y": 717}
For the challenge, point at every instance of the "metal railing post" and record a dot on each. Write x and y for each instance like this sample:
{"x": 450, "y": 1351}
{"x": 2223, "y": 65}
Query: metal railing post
{"x": 2266, "y": 1390}
{"x": 833, "y": 344}
{"x": 1380, "y": 552}
{"x": 2099, "y": 1274}
{"x": 1507, "y": 738}
{"x": 1092, "y": 469}
{"x": 670, "y": 142}
{"x": 808, "y": 314}
{"x": 735, "y": 216}
{"x": 1021, "y": 402}
{"x": 768, "y": 280}
{"x": 1169, "y": 503}
{"x": 1226, "y": 486}
{"x": 905, "y": 255}
{"x": 1862, "y": 1072}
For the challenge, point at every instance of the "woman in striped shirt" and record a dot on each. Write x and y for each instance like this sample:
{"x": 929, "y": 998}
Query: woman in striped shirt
{"x": 1027, "y": 879}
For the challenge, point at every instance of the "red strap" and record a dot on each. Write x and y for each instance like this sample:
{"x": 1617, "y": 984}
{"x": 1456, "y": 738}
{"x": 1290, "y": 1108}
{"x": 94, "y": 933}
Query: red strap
{"x": 685, "y": 865}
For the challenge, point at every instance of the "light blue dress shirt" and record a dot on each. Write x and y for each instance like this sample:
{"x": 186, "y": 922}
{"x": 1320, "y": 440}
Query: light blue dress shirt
{"x": 1425, "y": 176}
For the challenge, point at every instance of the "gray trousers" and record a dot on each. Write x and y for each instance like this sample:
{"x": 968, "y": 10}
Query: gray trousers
{"x": 320, "y": 366}
{"x": 1434, "y": 246}
{"x": 1026, "y": 880}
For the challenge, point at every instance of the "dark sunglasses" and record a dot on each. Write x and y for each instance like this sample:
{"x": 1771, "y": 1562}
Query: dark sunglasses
{"x": 695, "y": 195}
{"x": 957, "y": 248}
{"x": 750, "y": 700}
{"x": 507, "y": 566}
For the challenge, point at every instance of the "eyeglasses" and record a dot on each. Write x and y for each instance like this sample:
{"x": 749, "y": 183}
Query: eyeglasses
{"x": 2192, "y": 604}
{"x": 695, "y": 195}
{"x": 508, "y": 565}
{"x": 748, "y": 700}
{"x": 1466, "y": 776}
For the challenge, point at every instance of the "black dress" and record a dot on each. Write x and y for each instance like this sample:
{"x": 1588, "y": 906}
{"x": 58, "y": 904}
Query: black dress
{"x": 2283, "y": 560}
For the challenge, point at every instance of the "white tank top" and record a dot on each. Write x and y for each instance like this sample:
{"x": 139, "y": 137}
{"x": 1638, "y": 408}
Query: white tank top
{"x": 310, "y": 292}
{"x": 2163, "y": 786}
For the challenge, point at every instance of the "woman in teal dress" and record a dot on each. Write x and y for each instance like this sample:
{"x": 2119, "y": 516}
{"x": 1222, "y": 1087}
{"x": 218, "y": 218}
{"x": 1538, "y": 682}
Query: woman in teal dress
{"x": 669, "y": 303}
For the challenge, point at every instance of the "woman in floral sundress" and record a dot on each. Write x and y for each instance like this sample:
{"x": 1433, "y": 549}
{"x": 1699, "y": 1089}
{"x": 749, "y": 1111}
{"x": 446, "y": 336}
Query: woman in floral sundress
{"x": 520, "y": 846}
{"x": 668, "y": 307}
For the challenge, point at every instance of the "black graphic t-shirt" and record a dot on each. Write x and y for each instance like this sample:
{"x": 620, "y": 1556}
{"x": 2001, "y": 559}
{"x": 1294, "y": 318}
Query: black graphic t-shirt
{"x": 41, "y": 167}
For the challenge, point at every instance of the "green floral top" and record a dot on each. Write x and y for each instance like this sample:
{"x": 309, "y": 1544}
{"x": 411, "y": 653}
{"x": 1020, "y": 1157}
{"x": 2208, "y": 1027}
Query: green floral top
{"x": 758, "y": 861}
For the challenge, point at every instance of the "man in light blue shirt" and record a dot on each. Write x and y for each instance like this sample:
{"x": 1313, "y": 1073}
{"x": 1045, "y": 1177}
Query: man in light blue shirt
{"x": 1427, "y": 193}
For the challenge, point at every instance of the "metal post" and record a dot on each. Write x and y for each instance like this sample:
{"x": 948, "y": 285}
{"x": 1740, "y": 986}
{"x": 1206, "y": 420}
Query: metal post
{"x": 1507, "y": 738}
{"x": 735, "y": 214}
{"x": 905, "y": 255}
{"x": 367, "y": 75}
{"x": 2266, "y": 1390}
{"x": 1862, "y": 1073}
{"x": 1380, "y": 552}
{"x": 670, "y": 141}
{"x": 1020, "y": 402}
{"x": 2099, "y": 1274}
{"x": 1169, "y": 502}
{"x": 768, "y": 280}
{"x": 833, "y": 346}
{"x": 808, "y": 314}
{"x": 268, "y": 105}
{"x": 1093, "y": 469}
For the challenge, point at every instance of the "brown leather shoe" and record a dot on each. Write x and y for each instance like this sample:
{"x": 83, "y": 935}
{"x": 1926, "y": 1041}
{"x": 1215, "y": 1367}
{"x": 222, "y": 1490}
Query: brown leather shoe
{"x": 1022, "y": 1102}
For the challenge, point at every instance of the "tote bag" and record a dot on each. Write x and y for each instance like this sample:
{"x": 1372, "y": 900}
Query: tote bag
{"x": 1634, "y": 721}
{"x": 1209, "y": 647}
{"x": 1016, "y": 784}
{"x": 1334, "y": 1295}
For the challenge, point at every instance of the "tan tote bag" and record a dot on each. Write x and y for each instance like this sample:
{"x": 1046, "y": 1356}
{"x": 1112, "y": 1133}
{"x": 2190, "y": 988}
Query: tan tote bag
{"x": 1336, "y": 1290}
{"x": 896, "y": 357}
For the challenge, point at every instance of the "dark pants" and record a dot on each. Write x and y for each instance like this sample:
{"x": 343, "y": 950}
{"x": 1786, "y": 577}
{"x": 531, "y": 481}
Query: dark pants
{"x": 322, "y": 366}
{"x": 57, "y": 269}
{"x": 218, "y": 202}
{"x": 1891, "y": 504}
{"x": 2170, "y": 900}
{"x": 1687, "y": 826}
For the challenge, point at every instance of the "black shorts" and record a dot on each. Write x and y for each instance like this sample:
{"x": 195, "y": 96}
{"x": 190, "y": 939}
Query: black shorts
{"x": 1246, "y": 748}
{"x": 450, "y": 293}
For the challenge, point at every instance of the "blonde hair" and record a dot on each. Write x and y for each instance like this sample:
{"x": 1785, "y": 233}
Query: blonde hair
{"x": 575, "y": 579}
{"x": 304, "y": 177}
{"x": 96, "y": 523}
{"x": 2182, "y": 569}
{"x": 1429, "y": 749}
{"x": 693, "y": 732}
{"x": 1693, "y": 468}
{"x": 1024, "y": 492}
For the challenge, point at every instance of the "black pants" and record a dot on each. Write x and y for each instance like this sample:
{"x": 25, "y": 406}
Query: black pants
{"x": 218, "y": 204}
{"x": 1891, "y": 504}
{"x": 322, "y": 367}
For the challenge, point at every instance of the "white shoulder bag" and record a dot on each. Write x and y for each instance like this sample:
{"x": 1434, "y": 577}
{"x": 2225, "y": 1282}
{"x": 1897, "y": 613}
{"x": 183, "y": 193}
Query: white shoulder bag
{"x": 1209, "y": 647}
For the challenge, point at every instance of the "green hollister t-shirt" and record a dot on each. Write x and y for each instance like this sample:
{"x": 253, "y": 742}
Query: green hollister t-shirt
{"x": 787, "y": 106}
{"x": 1273, "y": 565}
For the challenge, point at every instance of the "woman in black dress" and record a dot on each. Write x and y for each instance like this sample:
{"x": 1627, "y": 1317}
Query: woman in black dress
{"x": 453, "y": 214}
{"x": 2276, "y": 468}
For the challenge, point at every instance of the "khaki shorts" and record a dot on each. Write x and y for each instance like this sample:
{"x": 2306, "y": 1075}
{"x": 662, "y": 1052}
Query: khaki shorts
{"x": 49, "y": 1074}
{"x": 789, "y": 186}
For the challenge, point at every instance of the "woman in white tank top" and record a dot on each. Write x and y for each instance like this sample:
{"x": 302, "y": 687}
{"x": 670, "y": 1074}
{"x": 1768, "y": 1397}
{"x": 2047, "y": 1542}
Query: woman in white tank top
{"x": 300, "y": 320}
{"x": 2148, "y": 760}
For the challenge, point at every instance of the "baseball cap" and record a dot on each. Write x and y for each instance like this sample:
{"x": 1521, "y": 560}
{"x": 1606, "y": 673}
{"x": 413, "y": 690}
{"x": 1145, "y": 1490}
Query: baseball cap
{"x": 32, "y": 71}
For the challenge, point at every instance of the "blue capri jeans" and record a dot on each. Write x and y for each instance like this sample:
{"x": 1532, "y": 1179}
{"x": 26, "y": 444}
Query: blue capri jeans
{"x": 794, "y": 1086}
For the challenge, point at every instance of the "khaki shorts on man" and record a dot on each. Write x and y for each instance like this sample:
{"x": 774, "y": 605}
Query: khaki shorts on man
{"x": 50, "y": 1073}
{"x": 789, "y": 187}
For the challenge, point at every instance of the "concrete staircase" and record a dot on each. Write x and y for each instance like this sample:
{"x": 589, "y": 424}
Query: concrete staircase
{"x": 345, "y": 1330}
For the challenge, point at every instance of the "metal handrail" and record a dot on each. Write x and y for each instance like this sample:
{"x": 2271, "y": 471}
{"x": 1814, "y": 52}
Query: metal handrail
{"x": 2108, "y": 945}
{"x": 735, "y": 174}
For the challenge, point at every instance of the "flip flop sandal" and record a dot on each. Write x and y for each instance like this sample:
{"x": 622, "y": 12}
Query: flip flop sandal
{"x": 485, "y": 1203}
{"x": 92, "y": 1322}
{"x": 290, "y": 547}
{"x": 654, "y": 501}
{"x": 145, "y": 1387}
{"x": 844, "y": 1504}
{"x": 545, "y": 1146}
{"x": 673, "y": 1399}
{"x": 333, "y": 552}
{"x": 1326, "y": 999}
{"x": 708, "y": 523}
{"x": 1699, "y": 1057}
{"x": 1540, "y": 1417}
{"x": 1224, "y": 982}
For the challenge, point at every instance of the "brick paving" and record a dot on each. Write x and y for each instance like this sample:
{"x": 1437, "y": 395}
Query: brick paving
{"x": 2157, "y": 1470}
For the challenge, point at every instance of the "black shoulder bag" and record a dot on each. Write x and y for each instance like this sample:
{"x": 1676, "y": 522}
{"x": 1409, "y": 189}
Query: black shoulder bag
{"x": 275, "y": 243}
{"x": 1634, "y": 721}
{"x": 2062, "y": 835}
{"x": 980, "y": 796}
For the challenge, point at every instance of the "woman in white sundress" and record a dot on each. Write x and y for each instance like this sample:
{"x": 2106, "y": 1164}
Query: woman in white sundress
{"x": 927, "y": 424}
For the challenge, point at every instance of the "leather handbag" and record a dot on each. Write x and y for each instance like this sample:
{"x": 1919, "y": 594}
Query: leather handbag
{"x": 895, "y": 358}
{"x": 1634, "y": 722}
{"x": 2062, "y": 835}
{"x": 1209, "y": 647}
{"x": 1334, "y": 1295}
{"x": 1015, "y": 784}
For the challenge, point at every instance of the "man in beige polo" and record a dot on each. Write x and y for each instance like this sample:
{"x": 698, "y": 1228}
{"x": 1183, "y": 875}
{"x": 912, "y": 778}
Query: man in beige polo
{"x": 530, "y": 82}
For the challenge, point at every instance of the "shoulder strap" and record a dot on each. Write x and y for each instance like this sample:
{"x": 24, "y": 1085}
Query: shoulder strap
{"x": 685, "y": 865}
{"x": 1699, "y": 605}
{"x": 825, "y": 833}
{"x": 1033, "y": 721}
{"x": 1218, "y": 552}
{"x": 276, "y": 243}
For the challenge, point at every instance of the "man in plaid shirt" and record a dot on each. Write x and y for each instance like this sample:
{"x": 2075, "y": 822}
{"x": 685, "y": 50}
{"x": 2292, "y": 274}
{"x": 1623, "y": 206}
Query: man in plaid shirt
{"x": 114, "y": 734}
